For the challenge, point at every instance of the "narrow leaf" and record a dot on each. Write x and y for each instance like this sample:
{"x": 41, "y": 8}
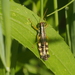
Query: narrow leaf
{"x": 2, "y": 52}
{"x": 61, "y": 60}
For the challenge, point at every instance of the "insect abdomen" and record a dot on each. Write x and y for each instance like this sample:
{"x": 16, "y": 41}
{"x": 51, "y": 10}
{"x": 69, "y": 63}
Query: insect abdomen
{"x": 43, "y": 49}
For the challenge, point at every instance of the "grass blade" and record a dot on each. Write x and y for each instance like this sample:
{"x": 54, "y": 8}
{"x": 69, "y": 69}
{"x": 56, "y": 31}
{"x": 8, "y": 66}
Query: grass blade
{"x": 6, "y": 21}
{"x": 61, "y": 8}
{"x": 68, "y": 39}
{"x": 2, "y": 51}
{"x": 56, "y": 15}
{"x": 73, "y": 30}
{"x": 61, "y": 61}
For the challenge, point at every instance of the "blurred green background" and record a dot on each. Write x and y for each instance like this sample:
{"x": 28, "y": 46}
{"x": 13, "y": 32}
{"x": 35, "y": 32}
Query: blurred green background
{"x": 26, "y": 62}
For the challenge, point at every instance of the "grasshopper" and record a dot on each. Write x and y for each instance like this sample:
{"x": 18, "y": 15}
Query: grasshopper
{"x": 42, "y": 40}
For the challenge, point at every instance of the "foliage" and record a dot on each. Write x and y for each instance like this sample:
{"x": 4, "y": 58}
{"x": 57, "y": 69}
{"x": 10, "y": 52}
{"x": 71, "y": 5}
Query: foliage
{"x": 25, "y": 59}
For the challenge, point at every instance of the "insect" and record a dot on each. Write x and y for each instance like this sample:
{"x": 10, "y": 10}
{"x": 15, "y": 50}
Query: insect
{"x": 42, "y": 41}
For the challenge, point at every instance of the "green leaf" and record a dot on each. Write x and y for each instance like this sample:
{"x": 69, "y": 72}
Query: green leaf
{"x": 2, "y": 51}
{"x": 31, "y": 68}
{"x": 61, "y": 60}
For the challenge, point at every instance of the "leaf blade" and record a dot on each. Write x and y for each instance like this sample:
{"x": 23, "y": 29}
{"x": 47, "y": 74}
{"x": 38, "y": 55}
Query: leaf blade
{"x": 61, "y": 60}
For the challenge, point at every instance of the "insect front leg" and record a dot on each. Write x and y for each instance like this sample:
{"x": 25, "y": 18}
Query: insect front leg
{"x": 34, "y": 27}
{"x": 46, "y": 25}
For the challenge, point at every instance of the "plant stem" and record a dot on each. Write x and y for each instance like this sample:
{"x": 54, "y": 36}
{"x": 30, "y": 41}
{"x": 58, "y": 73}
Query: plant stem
{"x": 67, "y": 28}
{"x": 61, "y": 8}
{"x": 6, "y": 21}
{"x": 56, "y": 14}
{"x": 41, "y": 4}
{"x": 73, "y": 31}
{"x": 2, "y": 54}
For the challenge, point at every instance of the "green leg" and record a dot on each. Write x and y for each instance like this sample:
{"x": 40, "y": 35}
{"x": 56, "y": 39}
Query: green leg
{"x": 38, "y": 38}
{"x": 46, "y": 25}
{"x": 33, "y": 26}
